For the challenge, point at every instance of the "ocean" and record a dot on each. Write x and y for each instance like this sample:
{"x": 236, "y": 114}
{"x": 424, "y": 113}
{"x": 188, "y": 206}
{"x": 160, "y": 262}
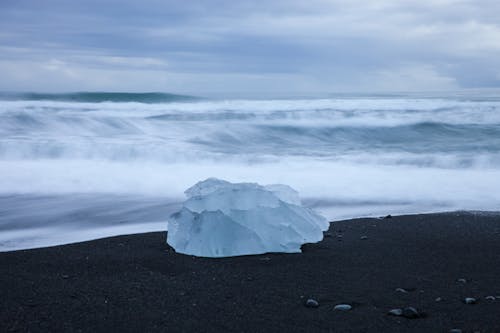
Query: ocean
{"x": 81, "y": 166}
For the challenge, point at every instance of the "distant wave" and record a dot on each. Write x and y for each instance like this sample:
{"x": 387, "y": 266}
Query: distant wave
{"x": 38, "y": 135}
{"x": 467, "y": 133}
{"x": 99, "y": 97}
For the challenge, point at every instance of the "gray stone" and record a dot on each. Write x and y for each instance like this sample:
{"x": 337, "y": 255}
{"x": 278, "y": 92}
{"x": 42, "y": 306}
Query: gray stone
{"x": 470, "y": 300}
{"x": 395, "y": 312}
{"x": 311, "y": 303}
{"x": 401, "y": 290}
{"x": 342, "y": 307}
{"x": 490, "y": 298}
{"x": 363, "y": 237}
{"x": 438, "y": 299}
{"x": 462, "y": 280}
{"x": 410, "y": 312}
{"x": 455, "y": 330}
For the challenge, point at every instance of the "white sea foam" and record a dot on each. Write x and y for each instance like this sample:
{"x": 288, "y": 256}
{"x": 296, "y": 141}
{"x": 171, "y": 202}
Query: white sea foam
{"x": 409, "y": 189}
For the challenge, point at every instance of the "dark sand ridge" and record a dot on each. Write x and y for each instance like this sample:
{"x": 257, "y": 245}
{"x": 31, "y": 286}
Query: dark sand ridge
{"x": 138, "y": 283}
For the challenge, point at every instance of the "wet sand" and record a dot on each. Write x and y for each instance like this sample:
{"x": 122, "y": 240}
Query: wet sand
{"x": 138, "y": 283}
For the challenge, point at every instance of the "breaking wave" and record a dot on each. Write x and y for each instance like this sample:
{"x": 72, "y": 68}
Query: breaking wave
{"x": 99, "y": 97}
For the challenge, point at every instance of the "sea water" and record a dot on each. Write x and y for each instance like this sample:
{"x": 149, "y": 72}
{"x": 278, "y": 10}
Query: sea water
{"x": 88, "y": 165}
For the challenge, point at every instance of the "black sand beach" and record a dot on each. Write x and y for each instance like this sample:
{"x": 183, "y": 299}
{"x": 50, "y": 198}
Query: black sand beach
{"x": 137, "y": 283}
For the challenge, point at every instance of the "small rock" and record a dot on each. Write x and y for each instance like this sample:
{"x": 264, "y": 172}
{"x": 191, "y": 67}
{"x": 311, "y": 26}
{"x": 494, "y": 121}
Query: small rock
{"x": 342, "y": 307}
{"x": 439, "y": 299}
{"x": 65, "y": 276}
{"x": 401, "y": 290}
{"x": 311, "y": 303}
{"x": 470, "y": 300}
{"x": 395, "y": 312}
{"x": 455, "y": 330}
{"x": 410, "y": 313}
{"x": 462, "y": 280}
{"x": 490, "y": 298}
{"x": 363, "y": 237}
{"x": 388, "y": 217}
{"x": 31, "y": 303}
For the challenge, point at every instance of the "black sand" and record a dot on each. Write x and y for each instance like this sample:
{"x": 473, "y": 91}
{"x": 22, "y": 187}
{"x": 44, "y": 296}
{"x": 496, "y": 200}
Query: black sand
{"x": 137, "y": 283}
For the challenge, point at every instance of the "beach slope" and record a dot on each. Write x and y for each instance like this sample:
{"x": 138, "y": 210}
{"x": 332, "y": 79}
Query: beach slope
{"x": 138, "y": 283}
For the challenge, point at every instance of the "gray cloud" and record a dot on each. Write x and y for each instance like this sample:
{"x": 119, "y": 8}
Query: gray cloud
{"x": 249, "y": 47}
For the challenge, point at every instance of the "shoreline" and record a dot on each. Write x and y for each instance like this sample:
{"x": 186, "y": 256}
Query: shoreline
{"x": 110, "y": 231}
{"x": 137, "y": 282}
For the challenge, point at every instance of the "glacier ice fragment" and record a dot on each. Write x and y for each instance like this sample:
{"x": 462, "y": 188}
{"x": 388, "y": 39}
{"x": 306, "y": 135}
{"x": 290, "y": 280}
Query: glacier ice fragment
{"x": 222, "y": 219}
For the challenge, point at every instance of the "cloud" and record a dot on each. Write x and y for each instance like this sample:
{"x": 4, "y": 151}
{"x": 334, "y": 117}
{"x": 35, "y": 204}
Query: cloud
{"x": 222, "y": 47}
{"x": 413, "y": 78}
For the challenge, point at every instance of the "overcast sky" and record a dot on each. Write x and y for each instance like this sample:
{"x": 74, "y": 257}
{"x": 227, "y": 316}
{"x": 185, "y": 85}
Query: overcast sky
{"x": 249, "y": 47}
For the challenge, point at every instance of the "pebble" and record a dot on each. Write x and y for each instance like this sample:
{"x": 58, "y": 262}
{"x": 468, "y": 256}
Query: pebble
{"x": 469, "y": 300}
{"x": 439, "y": 299}
{"x": 395, "y": 312}
{"x": 490, "y": 298}
{"x": 462, "y": 280}
{"x": 401, "y": 290}
{"x": 342, "y": 307}
{"x": 455, "y": 330}
{"x": 410, "y": 312}
{"x": 364, "y": 237}
{"x": 311, "y": 303}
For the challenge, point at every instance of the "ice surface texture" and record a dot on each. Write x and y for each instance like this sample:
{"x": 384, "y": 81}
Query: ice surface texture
{"x": 222, "y": 219}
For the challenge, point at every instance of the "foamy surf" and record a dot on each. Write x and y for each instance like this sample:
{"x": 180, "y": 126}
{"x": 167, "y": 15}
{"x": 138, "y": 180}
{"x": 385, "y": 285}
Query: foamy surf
{"x": 348, "y": 157}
